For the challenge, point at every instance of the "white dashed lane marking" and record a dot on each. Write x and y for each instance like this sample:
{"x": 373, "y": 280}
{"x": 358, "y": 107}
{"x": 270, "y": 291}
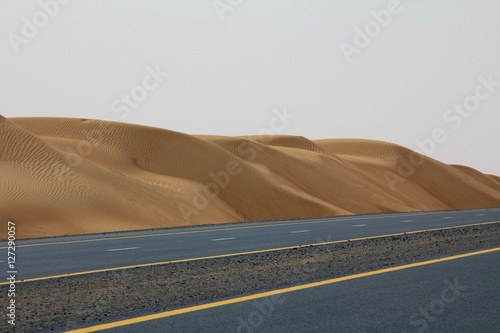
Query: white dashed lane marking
{"x": 406, "y": 221}
{"x": 222, "y": 239}
{"x": 446, "y": 217}
{"x": 298, "y": 231}
{"x": 358, "y": 225}
{"x": 123, "y": 249}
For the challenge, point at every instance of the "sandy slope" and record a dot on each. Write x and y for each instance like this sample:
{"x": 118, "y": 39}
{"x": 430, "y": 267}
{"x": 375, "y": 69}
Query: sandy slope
{"x": 68, "y": 176}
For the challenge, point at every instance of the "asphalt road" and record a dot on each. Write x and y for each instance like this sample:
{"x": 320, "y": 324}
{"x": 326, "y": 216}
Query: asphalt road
{"x": 62, "y": 255}
{"x": 461, "y": 295}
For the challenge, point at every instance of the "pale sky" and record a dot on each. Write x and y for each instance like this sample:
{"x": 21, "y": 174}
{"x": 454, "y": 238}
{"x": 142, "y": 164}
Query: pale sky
{"x": 337, "y": 67}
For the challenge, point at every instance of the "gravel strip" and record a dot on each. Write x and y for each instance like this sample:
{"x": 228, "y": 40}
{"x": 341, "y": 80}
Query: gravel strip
{"x": 67, "y": 303}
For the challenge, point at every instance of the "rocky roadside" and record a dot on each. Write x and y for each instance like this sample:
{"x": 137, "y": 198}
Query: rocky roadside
{"x": 72, "y": 302}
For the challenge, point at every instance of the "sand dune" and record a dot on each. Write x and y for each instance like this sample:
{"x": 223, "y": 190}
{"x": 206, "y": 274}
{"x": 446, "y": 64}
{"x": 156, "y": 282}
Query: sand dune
{"x": 63, "y": 176}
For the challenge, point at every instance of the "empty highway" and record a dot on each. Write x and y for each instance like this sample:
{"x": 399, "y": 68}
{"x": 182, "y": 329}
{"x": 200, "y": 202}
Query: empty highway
{"x": 459, "y": 294}
{"x": 54, "y": 256}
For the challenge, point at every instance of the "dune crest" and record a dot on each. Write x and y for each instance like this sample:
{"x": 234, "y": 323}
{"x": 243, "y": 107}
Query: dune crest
{"x": 61, "y": 176}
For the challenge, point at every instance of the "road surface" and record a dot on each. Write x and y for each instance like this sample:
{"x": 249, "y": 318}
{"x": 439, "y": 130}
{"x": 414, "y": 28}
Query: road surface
{"x": 63, "y": 255}
{"x": 459, "y": 295}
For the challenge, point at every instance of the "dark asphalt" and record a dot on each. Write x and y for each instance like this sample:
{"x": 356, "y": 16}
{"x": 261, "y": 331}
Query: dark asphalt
{"x": 46, "y": 257}
{"x": 461, "y": 295}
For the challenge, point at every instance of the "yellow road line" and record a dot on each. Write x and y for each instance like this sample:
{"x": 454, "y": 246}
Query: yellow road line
{"x": 239, "y": 253}
{"x": 270, "y": 293}
{"x": 324, "y": 220}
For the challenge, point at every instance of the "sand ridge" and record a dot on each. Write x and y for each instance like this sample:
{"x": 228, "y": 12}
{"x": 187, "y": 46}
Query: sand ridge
{"x": 63, "y": 176}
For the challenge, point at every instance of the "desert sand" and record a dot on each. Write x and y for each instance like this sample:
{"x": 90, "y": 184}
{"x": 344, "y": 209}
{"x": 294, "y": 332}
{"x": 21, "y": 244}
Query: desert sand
{"x": 62, "y": 176}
